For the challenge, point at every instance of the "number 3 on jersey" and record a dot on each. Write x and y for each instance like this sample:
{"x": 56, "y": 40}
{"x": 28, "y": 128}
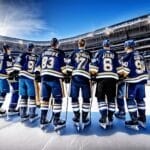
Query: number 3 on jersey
{"x": 47, "y": 62}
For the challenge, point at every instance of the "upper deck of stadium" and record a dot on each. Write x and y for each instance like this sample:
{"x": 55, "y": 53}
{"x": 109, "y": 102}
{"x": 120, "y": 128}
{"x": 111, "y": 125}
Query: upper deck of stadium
{"x": 137, "y": 28}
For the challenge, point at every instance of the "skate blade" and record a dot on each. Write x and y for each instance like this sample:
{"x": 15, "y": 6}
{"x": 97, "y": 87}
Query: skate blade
{"x": 134, "y": 127}
{"x": 78, "y": 128}
{"x": 110, "y": 125}
{"x": 34, "y": 119}
{"x": 120, "y": 117}
{"x": 44, "y": 126}
{"x": 84, "y": 125}
{"x": 24, "y": 119}
{"x": 8, "y": 118}
{"x": 77, "y": 125}
{"x": 103, "y": 125}
{"x": 3, "y": 115}
{"x": 141, "y": 124}
{"x": 59, "y": 127}
{"x": 12, "y": 113}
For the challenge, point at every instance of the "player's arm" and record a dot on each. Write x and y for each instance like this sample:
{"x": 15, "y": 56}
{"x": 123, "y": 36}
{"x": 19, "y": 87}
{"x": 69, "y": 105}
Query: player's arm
{"x": 37, "y": 69}
{"x": 118, "y": 64}
{"x": 12, "y": 74}
{"x": 93, "y": 66}
{"x": 62, "y": 62}
{"x": 16, "y": 65}
{"x": 70, "y": 63}
{"x": 18, "y": 62}
{"x": 124, "y": 68}
{"x": 66, "y": 73}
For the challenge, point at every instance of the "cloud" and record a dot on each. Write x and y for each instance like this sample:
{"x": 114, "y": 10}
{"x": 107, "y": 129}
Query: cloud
{"x": 22, "y": 20}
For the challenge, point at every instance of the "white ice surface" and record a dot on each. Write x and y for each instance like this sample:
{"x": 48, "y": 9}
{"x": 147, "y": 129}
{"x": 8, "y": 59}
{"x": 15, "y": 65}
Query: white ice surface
{"x": 17, "y": 136}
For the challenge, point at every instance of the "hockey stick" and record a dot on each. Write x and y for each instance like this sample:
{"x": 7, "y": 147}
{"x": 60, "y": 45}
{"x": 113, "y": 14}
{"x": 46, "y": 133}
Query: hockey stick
{"x": 51, "y": 105}
{"x": 67, "y": 96}
{"x": 37, "y": 92}
{"x": 92, "y": 97}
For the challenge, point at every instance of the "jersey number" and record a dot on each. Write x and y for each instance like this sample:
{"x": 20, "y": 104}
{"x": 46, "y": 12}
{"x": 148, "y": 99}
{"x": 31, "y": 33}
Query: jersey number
{"x": 140, "y": 67}
{"x": 107, "y": 64}
{"x": 81, "y": 63}
{"x": 47, "y": 62}
{"x": 31, "y": 66}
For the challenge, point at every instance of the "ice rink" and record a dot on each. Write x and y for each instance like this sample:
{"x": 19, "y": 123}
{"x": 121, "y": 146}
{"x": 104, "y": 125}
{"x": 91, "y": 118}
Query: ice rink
{"x": 17, "y": 136}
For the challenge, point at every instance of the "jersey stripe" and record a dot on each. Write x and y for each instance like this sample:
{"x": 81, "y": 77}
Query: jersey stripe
{"x": 81, "y": 73}
{"x": 107, "y": 75}
{"x": 137, "y": 79}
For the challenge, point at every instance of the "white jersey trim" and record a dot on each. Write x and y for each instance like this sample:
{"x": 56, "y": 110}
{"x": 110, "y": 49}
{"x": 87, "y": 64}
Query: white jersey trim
{"x": 52, "y": 73}
{"x": 27, "y": 74}
{"x": 81, "y": 73}
{"x": 107, "y": 75}
{"x": 137, "y": 79}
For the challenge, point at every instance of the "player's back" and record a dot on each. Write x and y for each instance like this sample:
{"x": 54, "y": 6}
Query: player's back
{"x": 136, "y": 65}
{"x": 52, "y": 62}
{"x": 107, "y": 63}
{"x": 28, "y": 62}
{"x": 79, "y": 60}
{"x": 25, "y": 63}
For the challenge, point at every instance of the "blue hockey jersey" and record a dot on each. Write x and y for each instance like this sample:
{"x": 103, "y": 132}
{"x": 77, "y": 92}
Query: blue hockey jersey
{"x": 25, "y": 64}
{"x": 105, "y": 64}
{"x": 134, "y": 66}
{"x": 79, "y": 63}
{"x": 6, "y": 65}
{"x": 51, "y": 63}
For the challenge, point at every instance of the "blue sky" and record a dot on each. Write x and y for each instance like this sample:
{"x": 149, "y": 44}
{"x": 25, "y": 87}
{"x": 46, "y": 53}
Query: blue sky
{"x": 44, "y": 19}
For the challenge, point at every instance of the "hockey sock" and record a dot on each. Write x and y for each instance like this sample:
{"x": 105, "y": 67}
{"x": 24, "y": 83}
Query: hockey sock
{"x": 23, "y": 111}
{"x": 120, "y": 103}
{"x": 132, "y": 108}
{"x": 103, "y": 108}
{"x": 43, "y": 115}
{"x": 141, "y": 109}
{"x": 32, "y": 111}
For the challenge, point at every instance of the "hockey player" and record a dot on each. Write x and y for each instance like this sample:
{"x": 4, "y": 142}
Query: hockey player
{"x": 25, "y": 64}
{"x": 134, "y": 70}
{"x": 13, "y": 80}
{"x": 104, "y": 66}
{"x": 5, "y": 70}
{"x": 50, "y": 66}
{"x": 79, "y": 66}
